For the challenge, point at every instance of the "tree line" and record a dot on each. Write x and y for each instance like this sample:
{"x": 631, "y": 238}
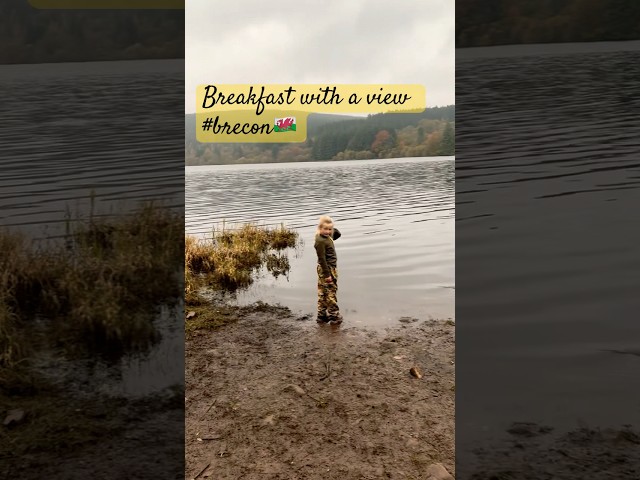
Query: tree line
{"x": 504, "y": 22}
{"x": 30, "y": 35}
{"x": 331, "y": 137}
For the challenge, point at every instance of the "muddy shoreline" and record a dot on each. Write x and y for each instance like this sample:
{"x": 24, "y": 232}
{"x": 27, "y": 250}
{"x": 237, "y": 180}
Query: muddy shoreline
{"x": 94, "y": 437}
{"x": 271, "y": 395}
{"x": 538, "y": 452}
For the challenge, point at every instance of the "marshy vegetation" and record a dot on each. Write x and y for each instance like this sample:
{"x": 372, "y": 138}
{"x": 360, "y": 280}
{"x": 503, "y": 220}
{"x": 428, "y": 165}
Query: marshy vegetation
{"x": 94, "y": 294}
{"x": 229, "y": 260}
{"x": 91, "y": 297}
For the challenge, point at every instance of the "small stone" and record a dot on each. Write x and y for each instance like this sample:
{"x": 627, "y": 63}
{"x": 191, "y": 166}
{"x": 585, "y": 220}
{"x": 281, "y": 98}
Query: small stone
{"x": 412, "y": 442}
{"x": 296, "y": 389}
{"x": 269, "y": 420}
{"x": 415, "y": 372}
{"x": 438, "y": 472}
{"x": 191, "y": 315}
{"x": 14, "y": 416}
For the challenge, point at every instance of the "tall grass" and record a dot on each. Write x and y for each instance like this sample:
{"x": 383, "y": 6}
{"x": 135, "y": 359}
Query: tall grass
{"x": 229, "y": 259}
{"x": 12, "y": 343}
{"x": 99, "y": 290}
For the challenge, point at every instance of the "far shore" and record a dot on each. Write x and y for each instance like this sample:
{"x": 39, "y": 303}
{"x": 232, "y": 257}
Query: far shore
{"x": 327, "y": 162}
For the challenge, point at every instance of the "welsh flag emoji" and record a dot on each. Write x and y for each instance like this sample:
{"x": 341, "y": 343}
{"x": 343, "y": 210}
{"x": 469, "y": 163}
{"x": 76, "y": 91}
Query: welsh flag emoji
{"x": 285, "y": 124}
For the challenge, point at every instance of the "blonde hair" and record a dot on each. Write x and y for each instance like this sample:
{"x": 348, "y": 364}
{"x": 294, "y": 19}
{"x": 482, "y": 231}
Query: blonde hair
{"x": 322, "y": 221}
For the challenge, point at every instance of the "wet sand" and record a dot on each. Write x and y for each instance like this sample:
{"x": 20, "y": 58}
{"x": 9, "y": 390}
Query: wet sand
{"x": 272, "y": 395}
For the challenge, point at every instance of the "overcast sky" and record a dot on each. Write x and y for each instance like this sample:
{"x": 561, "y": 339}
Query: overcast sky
{"x": 327, "y": 41}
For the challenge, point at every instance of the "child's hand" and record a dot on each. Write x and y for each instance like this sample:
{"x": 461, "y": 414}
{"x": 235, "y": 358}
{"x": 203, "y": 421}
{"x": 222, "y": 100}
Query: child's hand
{"x": 329, "y": 280}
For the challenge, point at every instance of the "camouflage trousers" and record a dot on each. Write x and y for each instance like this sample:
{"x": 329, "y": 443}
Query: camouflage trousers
{"x": 328, "y": 294}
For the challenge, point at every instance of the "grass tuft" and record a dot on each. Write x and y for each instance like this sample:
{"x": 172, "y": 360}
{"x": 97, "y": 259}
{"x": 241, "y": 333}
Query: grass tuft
{"x": 227, "y": 262}
{"x": 98, "y": 291}
{"x": 230, "y": 259}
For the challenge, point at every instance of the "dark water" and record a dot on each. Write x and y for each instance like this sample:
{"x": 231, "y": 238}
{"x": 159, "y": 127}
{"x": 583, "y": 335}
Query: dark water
{"x": 75, "y": 131}
{"x": 548, "y": 183}
{"x": 62, "y": 136}
{"x": 396, "y": 255}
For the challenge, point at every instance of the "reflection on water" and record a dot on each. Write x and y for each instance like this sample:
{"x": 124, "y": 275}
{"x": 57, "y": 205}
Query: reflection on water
{"x": 70, "y": 142}
{"x": 75, "y": 131}
{"x": 547, "y": 143}
{"x": 137, "y": 375}
{"x": 396, "y": 254}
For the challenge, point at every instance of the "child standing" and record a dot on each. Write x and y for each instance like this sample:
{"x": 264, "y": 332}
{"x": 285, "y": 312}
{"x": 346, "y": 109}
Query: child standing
{"x": 328, "y": 311}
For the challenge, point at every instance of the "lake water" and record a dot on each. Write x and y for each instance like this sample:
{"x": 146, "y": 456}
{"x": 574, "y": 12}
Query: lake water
{"x": 70, "y": 131}
{"x": 69, "y": 141}
{"x": 548, "y": 183}
{"x": 396, "y": 216}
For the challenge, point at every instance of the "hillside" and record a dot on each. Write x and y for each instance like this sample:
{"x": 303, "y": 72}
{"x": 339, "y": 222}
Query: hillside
{"x": 337, "y": 137}
{"x": 29, "y": 35}
{"x": 504, "y": 22}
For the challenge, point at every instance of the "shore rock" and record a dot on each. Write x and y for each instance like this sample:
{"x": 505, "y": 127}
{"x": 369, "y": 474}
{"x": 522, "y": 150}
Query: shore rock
{"x": 438, "y": 472}
{"x": 14, "y": 417}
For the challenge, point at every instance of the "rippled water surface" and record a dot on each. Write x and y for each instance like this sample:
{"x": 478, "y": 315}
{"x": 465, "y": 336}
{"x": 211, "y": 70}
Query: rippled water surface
{"x": 73, "y": 132}
{"x": 548, "y": 180}
{"x": 62, "y": 140}
{"x": 396, "y": 253}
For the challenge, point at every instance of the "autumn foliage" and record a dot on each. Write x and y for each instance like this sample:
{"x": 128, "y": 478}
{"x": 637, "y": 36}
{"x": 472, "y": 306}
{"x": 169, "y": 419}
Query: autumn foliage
{"x": 430, "y": 133}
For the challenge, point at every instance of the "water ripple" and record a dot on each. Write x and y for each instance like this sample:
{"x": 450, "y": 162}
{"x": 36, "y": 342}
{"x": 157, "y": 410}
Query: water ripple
{"x": 396, "y": 217}
{"x": 546, "y": 236}
{"x": 70, "y": 144}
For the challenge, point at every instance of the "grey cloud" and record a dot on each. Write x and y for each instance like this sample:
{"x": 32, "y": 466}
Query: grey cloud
{"x": 356, "y": 41}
